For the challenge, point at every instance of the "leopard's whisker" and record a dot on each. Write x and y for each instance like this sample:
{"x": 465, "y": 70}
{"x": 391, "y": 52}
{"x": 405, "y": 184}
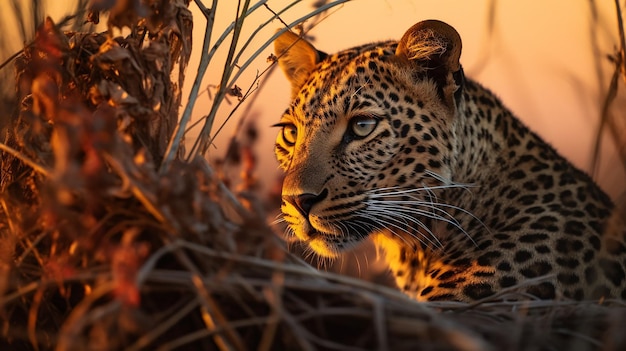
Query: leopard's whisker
{"x": 398, "y": 190}
{"x": 343, "y": 226}
{"x": 447, "y": 181}
{"x": 414, "y": 211}
{"x": 361, "y": 228}
{"x": 389, "y": 221}
{"x": 436, "y": 213}
{"x": 289, "y": 235}
{"x": 436, "y": 205}
{"x": 278, "y": 220}
{"x": 432, "y": 203}
{"x": 381, "y": 224}
{"x": 406, "y": 218}
{"x": 420, "y": 202}
{"x": 409, "y": 207}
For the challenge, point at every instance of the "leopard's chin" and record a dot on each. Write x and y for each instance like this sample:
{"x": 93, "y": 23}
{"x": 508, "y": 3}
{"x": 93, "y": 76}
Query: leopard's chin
{"x": 324, "y": 248}
{"x": 323, "y": 243}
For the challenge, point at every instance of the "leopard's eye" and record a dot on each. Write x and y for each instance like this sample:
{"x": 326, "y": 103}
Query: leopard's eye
{"x": 363, "y": 126}
{"x": 290, "y": 133}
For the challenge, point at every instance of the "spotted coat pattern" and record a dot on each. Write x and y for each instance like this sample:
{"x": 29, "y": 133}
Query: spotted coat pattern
{"x": 390, "y": 141}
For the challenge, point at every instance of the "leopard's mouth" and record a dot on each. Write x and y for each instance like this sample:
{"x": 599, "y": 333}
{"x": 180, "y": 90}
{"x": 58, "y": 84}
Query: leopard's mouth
{"x": 326, "y": 241}
{"x": 328, "y": 231}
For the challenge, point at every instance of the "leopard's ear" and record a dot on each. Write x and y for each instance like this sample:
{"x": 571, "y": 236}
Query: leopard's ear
{"x": 297, "y": 58}
{"x": 434, "y": 47}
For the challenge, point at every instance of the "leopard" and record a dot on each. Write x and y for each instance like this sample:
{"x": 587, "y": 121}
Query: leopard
{"x": 390, "y": 142}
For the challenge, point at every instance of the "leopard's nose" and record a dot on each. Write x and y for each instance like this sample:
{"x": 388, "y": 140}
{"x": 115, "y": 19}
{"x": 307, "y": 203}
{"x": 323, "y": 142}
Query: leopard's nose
{"x": 304, "y": 202}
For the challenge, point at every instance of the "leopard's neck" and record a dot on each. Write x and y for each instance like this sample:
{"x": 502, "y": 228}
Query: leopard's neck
{"x": 505, "y": 165}
{"x": 488, "y": 137}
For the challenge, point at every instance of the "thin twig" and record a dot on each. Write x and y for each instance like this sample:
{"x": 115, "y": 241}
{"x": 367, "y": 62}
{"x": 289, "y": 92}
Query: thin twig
{"x": 487, "y": 42}
{"x": 200, "y": 334}
{"x": 622, "y": 37}
{"x": 216, "y": 314}
{"x": 274, "y": 296}
{"x": 13, "y": 227}
{"x": 207, "y": 316}
{"x": 33, "y": 286}
{"x": 177, "y": 136}
{"x": 232, "y": 199}
{"x": 30, "y": 247}
{"x": 59, "y": 25}
{"x": 138, "y": 190}
{"x": 32, "y": 164}
{"x": 79, "y": 317}
{"x": 277, "y": 15}
{"x": 13, "y": 57}
{"x": 251, "y": 89}
{"x": 202, "y": 142}
{"x": 279, "y": 33}
{"x": 145, "y": 340}
{"x": 606, "y": 118}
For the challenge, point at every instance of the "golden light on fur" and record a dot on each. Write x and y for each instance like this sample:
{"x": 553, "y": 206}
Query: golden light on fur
{"x": 470, "y": 201}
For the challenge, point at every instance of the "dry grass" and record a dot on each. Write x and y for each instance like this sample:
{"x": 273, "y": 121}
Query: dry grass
{"x": 105, "y": 248}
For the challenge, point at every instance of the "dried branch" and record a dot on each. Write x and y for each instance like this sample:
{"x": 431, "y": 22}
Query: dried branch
{"x": 607, "y": 119}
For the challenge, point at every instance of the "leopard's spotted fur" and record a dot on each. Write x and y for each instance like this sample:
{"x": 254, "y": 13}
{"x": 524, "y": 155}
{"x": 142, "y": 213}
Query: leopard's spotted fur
{"x": 391, "y": 141}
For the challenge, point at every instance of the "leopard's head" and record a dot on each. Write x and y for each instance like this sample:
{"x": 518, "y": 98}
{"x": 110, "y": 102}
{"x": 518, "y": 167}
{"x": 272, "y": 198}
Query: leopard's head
{"x": 366, "y": 141}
